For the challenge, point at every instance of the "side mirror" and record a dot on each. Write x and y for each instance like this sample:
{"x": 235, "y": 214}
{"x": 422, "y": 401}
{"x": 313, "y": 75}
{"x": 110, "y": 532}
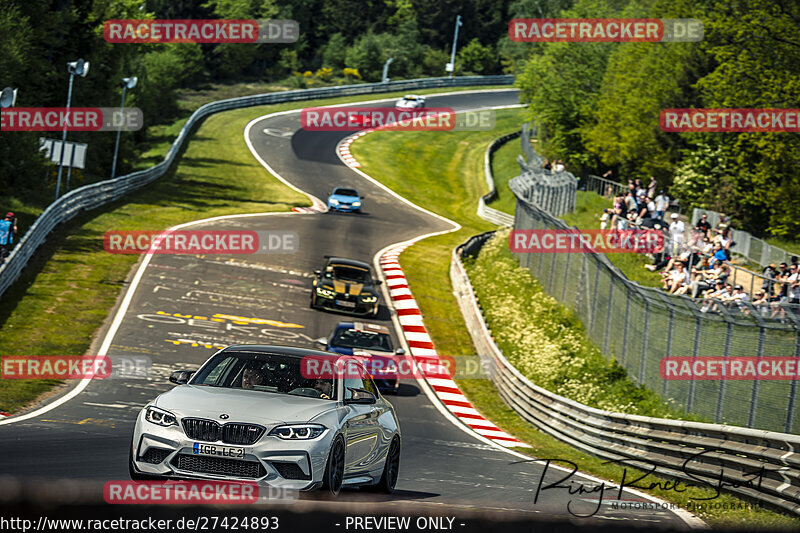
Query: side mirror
{"x": 399, "y": 351}
{"x": 322, "y": 340}
{"x": 361, "y": 397}
{"x": 181, "y": 377}
{"x": 378, "y": 282}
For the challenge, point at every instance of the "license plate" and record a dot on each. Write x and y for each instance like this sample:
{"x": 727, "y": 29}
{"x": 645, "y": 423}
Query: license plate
{"x": 345, "y": 304}
{"x": 218, "y": 451}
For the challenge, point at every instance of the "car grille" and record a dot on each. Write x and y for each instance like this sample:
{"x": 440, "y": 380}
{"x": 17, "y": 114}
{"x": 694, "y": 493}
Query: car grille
{"x": 155, "y": 455}
{"x": 218, "y": 465}
{"x": 234, "y": 433}
{"x": 289, "y": 470}
{"x": 231, "y": 433}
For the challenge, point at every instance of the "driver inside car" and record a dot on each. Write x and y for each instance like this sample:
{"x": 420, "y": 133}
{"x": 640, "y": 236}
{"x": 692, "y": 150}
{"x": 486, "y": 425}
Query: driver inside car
{"x": 251, "y": 377}
{"x": 324, "y": 388}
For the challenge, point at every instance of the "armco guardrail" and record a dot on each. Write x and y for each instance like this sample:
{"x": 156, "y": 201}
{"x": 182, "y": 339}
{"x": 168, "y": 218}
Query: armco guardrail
{"x": 97, "y": 194}
{"x": 484, "y": 211}
{"x": 758, "y": 465}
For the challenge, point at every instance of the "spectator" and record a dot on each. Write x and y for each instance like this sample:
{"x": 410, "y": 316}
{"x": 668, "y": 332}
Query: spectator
{"x": 547, "y": 165}
{"x": 651, "y": 206}
{"x": 630, "y": 202}
{"x": 7, "y": 229}
{"x": 723, "y": 224}
{"x": 676, "y": 231}
{"x": 651, "y": 188}
{"x": 718, "y": 294}
{"x": 738, "y": 296}
{"x": 662, "y": 203}
{"x": 719, "y": 254}
{"x": 702, "y": 225}
{"x": 769, "y": 274}
{"x": 631, "y": 186}
{"x": 793, "y": 259}
{"x": 679, "y": 279}
{"x": 793, "y": 284}
{"x": 559, "y": 166}
{"x": 604, "y": 218}
{"x": 761, "y": 302}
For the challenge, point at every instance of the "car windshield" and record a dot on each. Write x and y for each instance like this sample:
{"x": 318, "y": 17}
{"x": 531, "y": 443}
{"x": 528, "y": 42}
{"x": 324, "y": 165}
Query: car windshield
{"x": 368, "y": 340}
{"x": 263, "y": 372}
{"x": 346, "y": 192}
{"x": 349, "y": 273}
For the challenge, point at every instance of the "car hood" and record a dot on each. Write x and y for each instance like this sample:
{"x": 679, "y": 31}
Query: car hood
{"x": 348, "y": 287}
{"x": 265, "y": 408}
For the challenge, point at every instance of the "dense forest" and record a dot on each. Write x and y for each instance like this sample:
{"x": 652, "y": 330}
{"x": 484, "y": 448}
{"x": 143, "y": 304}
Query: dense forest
{"x": 596, "y": 104}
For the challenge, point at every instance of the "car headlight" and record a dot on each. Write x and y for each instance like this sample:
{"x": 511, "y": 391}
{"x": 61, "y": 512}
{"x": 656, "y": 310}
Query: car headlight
{"x": 327, "y": 293}
{"x": 333, "y": 201}
{"x": 356, "y": 204}
{"x": 369, "y": 298}
{"x": 160, "y": 417}
{"x": 298, "y": 431}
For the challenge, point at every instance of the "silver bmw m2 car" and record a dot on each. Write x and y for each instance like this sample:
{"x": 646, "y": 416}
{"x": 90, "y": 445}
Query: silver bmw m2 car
{"x": 285, "y": 417}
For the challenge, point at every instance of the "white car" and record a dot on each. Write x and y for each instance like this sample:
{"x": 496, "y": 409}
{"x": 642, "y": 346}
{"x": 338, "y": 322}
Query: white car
{"x": 411, "y": 101}
{"x": 253, "y": 413}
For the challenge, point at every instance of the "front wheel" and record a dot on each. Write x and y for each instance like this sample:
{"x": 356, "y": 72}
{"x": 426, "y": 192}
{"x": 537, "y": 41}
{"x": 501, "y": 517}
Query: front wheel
{"x": 334, "y": 470}
{"x": 391, "y": 468}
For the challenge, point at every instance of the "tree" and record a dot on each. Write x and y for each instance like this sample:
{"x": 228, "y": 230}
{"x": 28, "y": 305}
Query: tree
{"x": 476, "y": 58}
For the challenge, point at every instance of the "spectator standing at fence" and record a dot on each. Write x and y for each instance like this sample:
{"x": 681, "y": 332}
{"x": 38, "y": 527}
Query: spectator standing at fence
{"x": 793, "y": 282}
{"x": 793, "y": 259}
{"x": 651, "y": 206}
{"x": 547, "y": 165}
{"x": 769, "y": 274}
{"x": 559, "y": 166}
{"x": 662, "y": 203}
{"x": 676, "y": 231}
{"x": 651, "y": 188}
{"x": 6, "y": 236}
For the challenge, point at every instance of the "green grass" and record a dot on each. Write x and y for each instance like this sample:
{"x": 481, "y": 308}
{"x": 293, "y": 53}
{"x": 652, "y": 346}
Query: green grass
{"x": 446, "y": 176}
{"x": 504, "y": 168}
{"x": 71, "y": 284}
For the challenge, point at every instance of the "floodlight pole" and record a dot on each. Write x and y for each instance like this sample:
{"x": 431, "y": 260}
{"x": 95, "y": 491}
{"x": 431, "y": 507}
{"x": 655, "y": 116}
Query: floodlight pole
{"x": 455, "y": 44}
{"x": 81, "y": 68}
{"x": 125, "y": 83}
{"x": 64, "y": 136}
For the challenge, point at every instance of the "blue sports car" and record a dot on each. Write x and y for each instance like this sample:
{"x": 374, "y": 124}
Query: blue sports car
{"x": 371, "y": 343}
{"x": 344, "y": 199}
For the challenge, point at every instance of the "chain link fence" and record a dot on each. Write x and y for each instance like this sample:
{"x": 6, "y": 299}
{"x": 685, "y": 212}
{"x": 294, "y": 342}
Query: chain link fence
{"x": 638, "y": 326}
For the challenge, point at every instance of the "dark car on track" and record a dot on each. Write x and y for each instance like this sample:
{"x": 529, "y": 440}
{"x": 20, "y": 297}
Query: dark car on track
{"x": 372, "y": 344}
{"x": 345, "y": 285}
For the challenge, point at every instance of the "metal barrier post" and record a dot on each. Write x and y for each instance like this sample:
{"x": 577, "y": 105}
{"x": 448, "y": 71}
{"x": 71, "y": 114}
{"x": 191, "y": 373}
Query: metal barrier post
{"x": 762, "y": 336}
{"x": 726, "y": 354}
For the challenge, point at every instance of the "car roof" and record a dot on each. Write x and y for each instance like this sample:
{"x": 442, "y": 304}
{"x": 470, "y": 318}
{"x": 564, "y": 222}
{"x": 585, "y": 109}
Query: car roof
{"x": 276, "y": 350}
{"x": 349, "y": 262}
{"x": 362, "y": 326}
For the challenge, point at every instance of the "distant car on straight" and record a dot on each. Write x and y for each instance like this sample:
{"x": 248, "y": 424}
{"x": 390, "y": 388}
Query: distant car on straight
{"x": 344, "y": 199}
{"x": 256, "y": 413}
{"x": 410, "y": 101}
{"x": 372, "y": 344}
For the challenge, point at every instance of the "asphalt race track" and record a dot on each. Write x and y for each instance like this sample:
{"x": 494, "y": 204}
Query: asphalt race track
{"x": 185, "y": 307}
